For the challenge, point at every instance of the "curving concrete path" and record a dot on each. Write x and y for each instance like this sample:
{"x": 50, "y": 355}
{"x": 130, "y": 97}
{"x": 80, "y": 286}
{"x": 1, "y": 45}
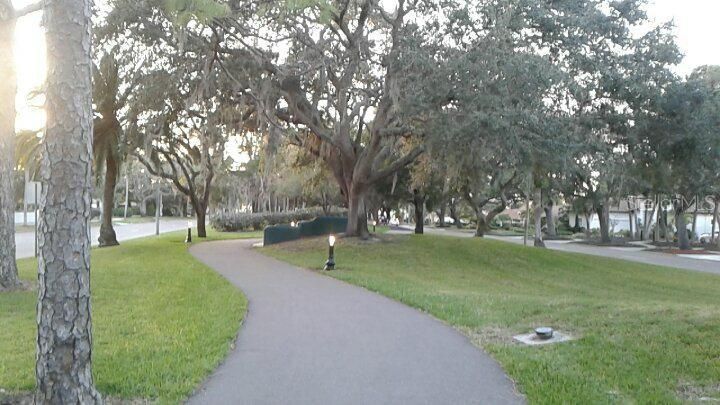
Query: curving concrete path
{"x": 311, "y": 339}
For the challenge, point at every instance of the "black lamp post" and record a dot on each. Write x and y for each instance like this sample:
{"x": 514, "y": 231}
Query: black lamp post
{"x": 330, "y": 263}
{"x": 188, "y": 239}
{"x": 374, "y": 225}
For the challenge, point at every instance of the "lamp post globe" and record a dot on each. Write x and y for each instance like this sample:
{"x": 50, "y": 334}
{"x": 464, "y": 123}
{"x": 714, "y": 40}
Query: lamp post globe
{"x": 330, "y": 263}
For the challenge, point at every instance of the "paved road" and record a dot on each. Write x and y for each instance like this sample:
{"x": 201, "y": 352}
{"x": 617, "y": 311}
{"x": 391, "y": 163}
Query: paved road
{"x": 703, "y": 263}
{"x": 311, "y": 339}
{"x": 25, "y": 241}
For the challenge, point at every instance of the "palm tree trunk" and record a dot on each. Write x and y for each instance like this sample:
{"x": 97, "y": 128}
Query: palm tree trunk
{"x": 8, "y": 87}
{"x": 63, "y": 365}
{"x": 107, "y": 232}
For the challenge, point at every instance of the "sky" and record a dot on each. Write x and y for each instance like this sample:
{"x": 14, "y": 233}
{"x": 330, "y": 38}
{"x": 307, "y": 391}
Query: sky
{"x": 697, "y": 30}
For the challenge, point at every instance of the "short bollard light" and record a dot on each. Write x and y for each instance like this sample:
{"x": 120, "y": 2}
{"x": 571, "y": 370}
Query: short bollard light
{"x": 330, "y": 263}
{"x": 188, "y": 239}
{"x": 374, "y": 225}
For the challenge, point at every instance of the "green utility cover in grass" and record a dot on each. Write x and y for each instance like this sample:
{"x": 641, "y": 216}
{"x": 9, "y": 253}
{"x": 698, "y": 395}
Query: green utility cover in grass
{"x": 317, "y": 227}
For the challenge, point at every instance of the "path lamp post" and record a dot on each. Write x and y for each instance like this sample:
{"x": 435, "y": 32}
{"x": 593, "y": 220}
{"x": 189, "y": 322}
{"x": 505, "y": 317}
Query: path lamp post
{"x": 374, "y": 225}
{"x": 188, "y": 239}
{"x": 330, "y": 263}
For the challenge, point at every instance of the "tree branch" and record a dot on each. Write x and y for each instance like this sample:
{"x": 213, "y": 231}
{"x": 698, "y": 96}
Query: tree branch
{"x": 398, "y": 164}
{"x": 31, "y": 8}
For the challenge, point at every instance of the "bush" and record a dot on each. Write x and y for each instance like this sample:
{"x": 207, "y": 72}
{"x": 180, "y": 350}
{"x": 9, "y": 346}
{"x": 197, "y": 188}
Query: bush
{"x": 236, "y": 222}
{"x": 623, "y": 234}
{"x": 317, "y": 227}
{"x": 120, "y": 212}
{"x": 502, "y": 221}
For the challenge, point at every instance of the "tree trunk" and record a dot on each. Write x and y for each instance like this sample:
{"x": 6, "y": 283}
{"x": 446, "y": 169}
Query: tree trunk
{"x": 550, "y": 220}
{"x": 666, "y": 226}
{"x": 201, "y": 226}
{"x": 8, "y": 86}
{"x": 357, "y": 217}
{"x": 694, "y": 220}
{"x": 716, "y": 217}
{"x": 603, "y": 213}
{"x": 482, "y": 227}
{"x": 484, "y": 221}
{"x": 419, "y": 204}
{"x": 683, "y": 240}
{"x": 64, "y": 323}
{"x": 107, "y": 232}
{"x": 454, "y": 215}
{"x": 538, "y": 211}
{"x": 127, "y": 195}
{"x": 588, "y": 233}
{"x": 441, "y": 213}
{"x": 25, "y": 203}
{"x": 656, "y": 234}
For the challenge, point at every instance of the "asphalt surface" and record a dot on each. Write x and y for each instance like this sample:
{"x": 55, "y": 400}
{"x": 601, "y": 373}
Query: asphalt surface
{"x": 704, "y": 263}
{"x": 25, "y": 241}
{"x": 311, "y": 339}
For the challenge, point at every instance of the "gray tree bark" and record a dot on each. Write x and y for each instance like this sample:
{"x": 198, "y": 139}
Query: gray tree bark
{"x": 8, "y": 88}
{"x": 107, "y": 232}
{"x": 695, "y": 236}
{"x": 550, "y": 219}
{"x": 658, "y": 210}
{"x": 588, "y": 233}
{"x": 683, "y": 240}
{"x": 64, "y": 341}
{"x": 538, "y": 211}
{"x": 419, "y": 204}
{"x": 603, "y": 212}
{"x": 716, "y": 217}
{"x": 453, "y": 213}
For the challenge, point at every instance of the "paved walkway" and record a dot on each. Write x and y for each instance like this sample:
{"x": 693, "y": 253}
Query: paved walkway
{"x": 702, "y": 263}
{"x": 311, "y": 339}
{"x": 25, "y": 241}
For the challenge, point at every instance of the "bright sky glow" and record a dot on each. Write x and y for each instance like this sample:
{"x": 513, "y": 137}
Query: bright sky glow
{"x": 696, "y": 26}
{"x": 696, "y": 23}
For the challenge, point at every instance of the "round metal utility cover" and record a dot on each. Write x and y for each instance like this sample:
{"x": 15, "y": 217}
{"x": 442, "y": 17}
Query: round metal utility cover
{"x": 544, "y": 332}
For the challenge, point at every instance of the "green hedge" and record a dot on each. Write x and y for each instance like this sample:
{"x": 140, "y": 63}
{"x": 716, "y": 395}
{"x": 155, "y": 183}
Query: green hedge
{"x": 132, "y": 211}
{"x": 236, "y": 222}
{"x": 317, "y": 227}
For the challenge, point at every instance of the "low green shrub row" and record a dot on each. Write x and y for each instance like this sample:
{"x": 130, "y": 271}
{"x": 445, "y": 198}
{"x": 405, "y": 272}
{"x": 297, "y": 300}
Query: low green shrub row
{"x": 120, "y": 212}
{"x": 236, "y": 222}
{"x": 319, "y": 226}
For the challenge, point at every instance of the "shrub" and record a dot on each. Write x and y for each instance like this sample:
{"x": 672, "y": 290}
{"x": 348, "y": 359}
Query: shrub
{"x": 235, "y": 222}
{"x": 120, "y": 211}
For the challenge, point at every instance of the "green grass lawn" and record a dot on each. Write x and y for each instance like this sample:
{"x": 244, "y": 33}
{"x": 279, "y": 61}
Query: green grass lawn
{"x": 161, "y": 321}
{"x": 646, "y": 334}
